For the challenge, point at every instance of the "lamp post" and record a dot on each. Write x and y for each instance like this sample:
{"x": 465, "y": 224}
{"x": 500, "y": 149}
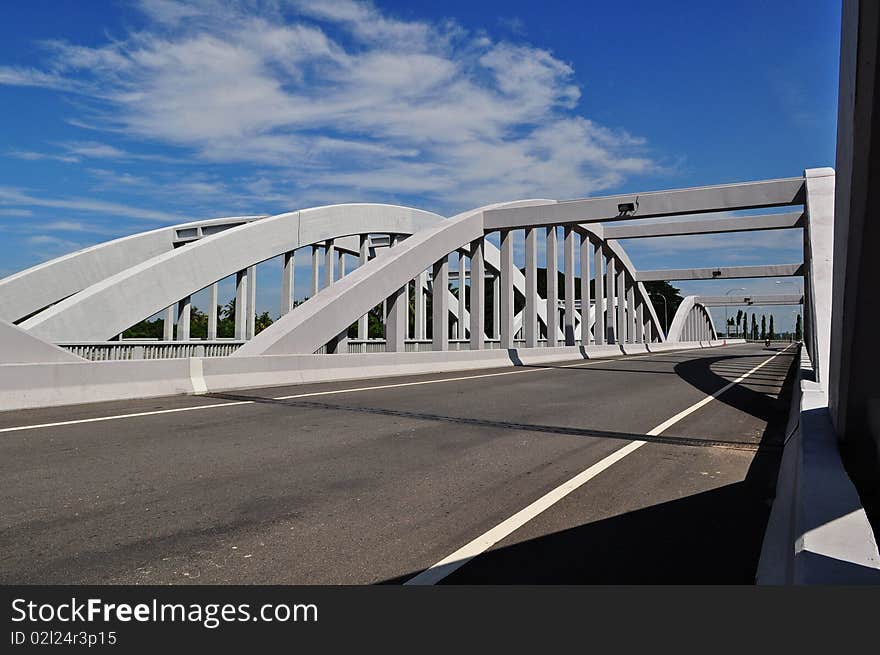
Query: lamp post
{"x": 726, "y": 324}
{"x": 792, "y": 283}
{"x": 665, "y": 312}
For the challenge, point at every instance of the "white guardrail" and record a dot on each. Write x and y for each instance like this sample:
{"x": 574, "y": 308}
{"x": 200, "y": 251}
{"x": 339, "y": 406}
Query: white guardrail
{"x": 127, "y": 349}
{"x": 132, "y": 349}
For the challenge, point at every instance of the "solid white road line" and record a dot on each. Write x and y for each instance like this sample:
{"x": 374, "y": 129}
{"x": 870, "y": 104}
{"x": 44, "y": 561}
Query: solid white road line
{"x": 485, "y": 541}
{"x": 157, "y": 412}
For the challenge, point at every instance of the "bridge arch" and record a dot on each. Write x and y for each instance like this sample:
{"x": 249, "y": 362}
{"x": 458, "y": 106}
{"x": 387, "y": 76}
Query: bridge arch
{"x": 692, "y": 322}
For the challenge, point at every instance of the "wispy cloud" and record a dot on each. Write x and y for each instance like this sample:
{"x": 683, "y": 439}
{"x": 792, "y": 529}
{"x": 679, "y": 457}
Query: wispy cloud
{"x": 24, "y": 213}
{"x": 337, "y": 97}
{"x": 19, "y": 197}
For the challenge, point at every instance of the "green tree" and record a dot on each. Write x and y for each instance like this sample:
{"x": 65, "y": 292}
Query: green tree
{"x": 763, "y": 327}
{"x": 261, "y": 322}
{"x": 772, "y": 330}
{"x": 739, "y": 317}
{"x": 754, "y": 327}
{"x": 798, "y": 328}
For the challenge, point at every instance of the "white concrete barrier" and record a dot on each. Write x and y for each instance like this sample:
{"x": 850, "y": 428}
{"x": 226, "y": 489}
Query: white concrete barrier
{"x": 66, "y": 383}
{"x": 818, "y": 532}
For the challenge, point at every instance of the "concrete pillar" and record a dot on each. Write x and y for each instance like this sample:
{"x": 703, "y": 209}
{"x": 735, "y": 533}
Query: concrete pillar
{"x": 462, "y": 295}
{"x": 496, "y": 306}
{"x": 314, "y": 270}
{"x": 586, "y": 335}
{"x": 478, "y": 295}
{"x": 630, "y": 312}
{"x": 251, "y": 301}
{"x": 552, "y": 287}
{"x": 184, "y": 313}
{"x": 287, "y": 266}
{"x": 406, "y": 288}
{"x": 610, "y": 310}
{"x": 212, "y": 311}
{"x": 649, "y": 336}
{"x": 568, "y": 248}
{"x": 420, "y": 306}
{"x": 241, "y": 279}
{"x": 599, "y": 325}
{"x": 640, "y": 323}
{"x": 504, "y": 290}
{"x": 395, "y": 323}
{"x": 530, "y": 317}
{"x": 363, "y": 256}
{"x": 440, "y": 306}
{"x": 329, "y": 263}
{"x": 621, "y": 306}
{"x": 168, "y": 324}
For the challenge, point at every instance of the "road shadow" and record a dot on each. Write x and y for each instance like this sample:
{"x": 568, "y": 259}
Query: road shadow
{"x": 711, "y": 537}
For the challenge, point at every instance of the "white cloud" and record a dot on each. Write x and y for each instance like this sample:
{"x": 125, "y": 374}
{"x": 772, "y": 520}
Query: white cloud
{"x": 18, "y": 197}
{"x": 29, "y": 155}
{"x": 339, "y": 96}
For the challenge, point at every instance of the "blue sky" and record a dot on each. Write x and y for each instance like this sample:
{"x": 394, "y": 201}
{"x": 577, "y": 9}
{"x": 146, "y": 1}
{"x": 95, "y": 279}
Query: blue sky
{"x": 120, "y": 117}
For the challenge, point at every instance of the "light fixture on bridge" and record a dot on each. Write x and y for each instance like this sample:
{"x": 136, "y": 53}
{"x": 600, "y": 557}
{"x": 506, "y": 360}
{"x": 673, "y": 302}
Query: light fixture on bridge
{"x": 626, "y": 208}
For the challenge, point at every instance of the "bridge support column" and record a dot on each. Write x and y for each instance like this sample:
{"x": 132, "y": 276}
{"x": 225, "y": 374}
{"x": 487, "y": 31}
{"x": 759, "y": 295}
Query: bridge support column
{"x": 478, "y": 295}
{"x": 241, "y": 279}
{"x": 363, "y": 256}
{"x": 599, "y": 322}
{"x": 530, "y": 318}
{"x": 251, "y": 302}
{"x": 329, "y": 263}
{"x": 640, "y": 323}
{"x": 440, "y": 306}
{"x": 287, "y": 272}
{"x": 395, "y": 323}
{"x": 184, "y": 312}
{"x": 552, "y": 287}
{"x": 568, "y": 248}
{"x": 462, "y": 295}
{"x": 315, "y": 280}
{"x": 504, "y": 290}
{"x": 168, "y": 324}
{"x": 621, "y": 306}
{"x": 631, "y": 325}
{"x": 212, "y": 312}
{"x": 610, "y": 291}
{"x": 420, "y": 306}
{"x": 496, "y": 306}
{"x": 586, "y": 335}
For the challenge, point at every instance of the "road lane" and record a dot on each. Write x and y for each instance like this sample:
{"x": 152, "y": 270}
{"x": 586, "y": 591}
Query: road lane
{"x": 360, "y": 487}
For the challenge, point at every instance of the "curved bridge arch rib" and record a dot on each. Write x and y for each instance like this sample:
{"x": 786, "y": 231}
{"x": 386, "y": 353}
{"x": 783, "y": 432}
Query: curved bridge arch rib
{"x": 692, "y": 322}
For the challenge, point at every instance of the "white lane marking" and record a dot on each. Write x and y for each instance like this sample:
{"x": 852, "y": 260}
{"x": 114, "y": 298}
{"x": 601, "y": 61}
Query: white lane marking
{"x": 485, "y": 541}
{"x": 96, "y": 419}
{"x": 156, "y": 412}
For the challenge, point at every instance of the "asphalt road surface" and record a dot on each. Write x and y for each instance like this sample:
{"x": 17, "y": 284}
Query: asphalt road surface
{"x": 511, "y": 475}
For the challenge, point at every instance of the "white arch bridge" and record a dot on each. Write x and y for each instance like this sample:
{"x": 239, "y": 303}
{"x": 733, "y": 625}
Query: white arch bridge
{"x": 593, "y": 296}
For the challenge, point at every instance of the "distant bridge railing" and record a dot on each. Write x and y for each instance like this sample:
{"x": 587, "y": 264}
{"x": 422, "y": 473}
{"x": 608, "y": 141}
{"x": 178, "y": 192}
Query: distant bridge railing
{"x": 148, "y": 349}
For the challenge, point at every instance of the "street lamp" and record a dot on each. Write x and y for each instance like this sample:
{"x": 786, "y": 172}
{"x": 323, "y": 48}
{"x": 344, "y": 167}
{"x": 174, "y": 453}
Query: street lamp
{"x": 796, "y": 288}
{"x": 665, "y": 312}
{"x": 726, "y": 324}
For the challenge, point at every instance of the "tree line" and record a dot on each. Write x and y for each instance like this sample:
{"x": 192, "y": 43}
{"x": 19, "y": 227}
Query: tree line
{"x": 765, "y": 332}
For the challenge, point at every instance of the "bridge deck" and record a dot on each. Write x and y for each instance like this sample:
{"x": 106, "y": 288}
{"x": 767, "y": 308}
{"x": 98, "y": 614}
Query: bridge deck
{"x": 365, "y": 482}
